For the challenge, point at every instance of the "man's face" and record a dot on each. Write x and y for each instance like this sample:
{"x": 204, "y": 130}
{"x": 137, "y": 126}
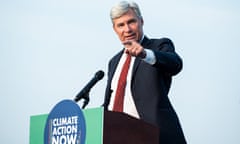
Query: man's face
{"x": 128, "y": 26}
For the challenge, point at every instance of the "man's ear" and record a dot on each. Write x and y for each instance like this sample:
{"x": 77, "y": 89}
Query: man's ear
{"x": 142, "y": 21}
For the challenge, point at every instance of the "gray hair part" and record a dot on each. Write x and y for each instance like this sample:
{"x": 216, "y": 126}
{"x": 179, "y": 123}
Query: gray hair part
{"x": 122, "y": 7}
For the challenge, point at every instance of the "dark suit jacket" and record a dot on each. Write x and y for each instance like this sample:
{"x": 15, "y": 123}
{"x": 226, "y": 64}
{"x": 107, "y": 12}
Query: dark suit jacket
{"x": 150, "y": 85}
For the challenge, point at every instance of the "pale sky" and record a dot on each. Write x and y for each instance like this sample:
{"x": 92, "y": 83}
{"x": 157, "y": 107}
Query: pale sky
{"x": 49, "y": 50}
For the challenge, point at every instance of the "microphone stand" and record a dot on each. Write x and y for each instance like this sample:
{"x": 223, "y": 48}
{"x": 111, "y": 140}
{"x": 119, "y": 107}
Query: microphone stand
{"x": 86, "y": 99}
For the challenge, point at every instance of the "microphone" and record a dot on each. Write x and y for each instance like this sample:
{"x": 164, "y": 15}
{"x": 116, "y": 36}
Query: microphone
{"x": 85, "y": 91}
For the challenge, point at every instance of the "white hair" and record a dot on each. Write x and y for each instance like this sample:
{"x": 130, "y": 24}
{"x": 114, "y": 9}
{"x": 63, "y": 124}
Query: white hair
{"x": 122, "y": 7}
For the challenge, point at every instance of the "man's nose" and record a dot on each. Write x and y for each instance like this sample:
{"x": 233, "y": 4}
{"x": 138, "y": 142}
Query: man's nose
{"x": 128, "y": 28}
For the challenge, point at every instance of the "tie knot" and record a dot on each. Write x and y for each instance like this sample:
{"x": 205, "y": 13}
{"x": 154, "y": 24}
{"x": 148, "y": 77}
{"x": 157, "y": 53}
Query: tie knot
{"x": 128, "y": 57}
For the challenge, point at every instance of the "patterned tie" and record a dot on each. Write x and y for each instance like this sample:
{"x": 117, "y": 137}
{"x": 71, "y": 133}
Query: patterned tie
{"x": 118, "y": 102}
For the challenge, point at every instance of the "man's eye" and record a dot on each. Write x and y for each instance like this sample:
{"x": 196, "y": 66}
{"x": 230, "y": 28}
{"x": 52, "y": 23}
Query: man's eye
{"x": 120, "y": 25}
{"x": 132, "y": 21}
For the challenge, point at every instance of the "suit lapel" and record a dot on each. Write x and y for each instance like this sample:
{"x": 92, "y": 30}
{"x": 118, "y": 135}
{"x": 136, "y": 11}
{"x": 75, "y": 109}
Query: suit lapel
{"x": 145, "y": 43}
{"x": 115, "y": 64}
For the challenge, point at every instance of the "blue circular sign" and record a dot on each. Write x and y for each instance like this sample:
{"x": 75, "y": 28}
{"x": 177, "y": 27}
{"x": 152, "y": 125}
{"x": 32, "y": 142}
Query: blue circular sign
{"x": 65, "y": 124}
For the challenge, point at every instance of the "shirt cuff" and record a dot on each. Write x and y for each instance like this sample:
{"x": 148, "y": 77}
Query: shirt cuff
{"x": 150, "y": 57}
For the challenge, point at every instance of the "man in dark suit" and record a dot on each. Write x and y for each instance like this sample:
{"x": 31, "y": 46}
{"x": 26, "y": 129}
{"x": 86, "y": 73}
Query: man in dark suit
{"x": 152, "y": 65}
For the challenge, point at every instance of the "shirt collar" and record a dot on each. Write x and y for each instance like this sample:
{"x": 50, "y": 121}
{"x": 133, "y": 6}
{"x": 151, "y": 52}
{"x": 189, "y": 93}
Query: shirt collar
{"x": 141, "y": 39}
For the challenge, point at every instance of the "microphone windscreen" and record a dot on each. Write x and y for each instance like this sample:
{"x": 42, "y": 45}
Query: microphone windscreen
{"x": 99, "y": 75}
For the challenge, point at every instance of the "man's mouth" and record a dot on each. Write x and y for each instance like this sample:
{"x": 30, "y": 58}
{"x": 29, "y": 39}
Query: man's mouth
{"x": 130, "y": 37}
